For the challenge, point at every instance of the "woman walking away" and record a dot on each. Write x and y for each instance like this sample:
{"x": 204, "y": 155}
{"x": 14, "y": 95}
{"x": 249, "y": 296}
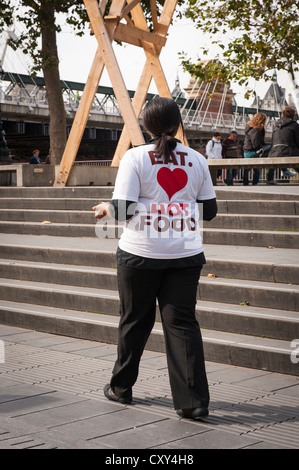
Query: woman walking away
{"x": 160, "y": 256}
{"x": 253, "y": 143}
{"x": 285, "y": 141}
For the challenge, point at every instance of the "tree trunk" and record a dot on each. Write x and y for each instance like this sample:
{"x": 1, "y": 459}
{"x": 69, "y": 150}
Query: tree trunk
{"x": 52, "y": 82}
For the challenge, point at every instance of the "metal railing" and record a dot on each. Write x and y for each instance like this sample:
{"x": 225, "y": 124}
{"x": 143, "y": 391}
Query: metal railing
{"x": 93, "y": 162}
{"x": 107, "y": 105}
{"x": 238, "y": 179}
{"x": 215, "y": 120}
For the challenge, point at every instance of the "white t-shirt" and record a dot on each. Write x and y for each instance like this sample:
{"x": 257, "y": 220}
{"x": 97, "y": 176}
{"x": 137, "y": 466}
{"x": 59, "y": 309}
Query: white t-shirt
{"x": 166, "y": 223}
{"x": 214, "y": 149}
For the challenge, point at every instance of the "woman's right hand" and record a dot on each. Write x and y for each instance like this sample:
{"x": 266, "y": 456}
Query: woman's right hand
{"x": 102, "y": 210}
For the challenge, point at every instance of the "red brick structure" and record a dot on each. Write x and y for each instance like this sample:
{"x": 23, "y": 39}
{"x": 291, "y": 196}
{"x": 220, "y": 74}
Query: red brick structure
{"x": 209, "y": 97}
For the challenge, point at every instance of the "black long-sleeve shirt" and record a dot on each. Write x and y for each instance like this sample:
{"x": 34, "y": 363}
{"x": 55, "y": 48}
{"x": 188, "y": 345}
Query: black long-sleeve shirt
{"x": 124, "y": 210}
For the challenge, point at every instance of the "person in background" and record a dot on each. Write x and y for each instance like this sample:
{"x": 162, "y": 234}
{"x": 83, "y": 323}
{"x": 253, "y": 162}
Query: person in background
{"x": 34, "y": 159}
{"x": 160, "y": 257}
{"x": 253, "y": 144}
{"x": 76, "y": 99}
{"x": 214, "y": 149}
{"x": 230, "y": 150}
{"x": 285, "y": 141}
{"x": 48, "y": 160}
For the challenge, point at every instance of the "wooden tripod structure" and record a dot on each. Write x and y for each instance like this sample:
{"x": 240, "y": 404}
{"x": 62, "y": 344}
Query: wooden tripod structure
{"x": 136, "y": 32}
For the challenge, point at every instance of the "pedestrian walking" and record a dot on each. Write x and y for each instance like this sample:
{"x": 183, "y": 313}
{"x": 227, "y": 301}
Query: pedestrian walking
{"x": 253, "y": 144}
{"x": 160, "y": 257}
{"x": 76, "y": 99}
{"x": 230, "y": 150}
{"x": 214, "y": 150}
{"x": 285, "y": 141}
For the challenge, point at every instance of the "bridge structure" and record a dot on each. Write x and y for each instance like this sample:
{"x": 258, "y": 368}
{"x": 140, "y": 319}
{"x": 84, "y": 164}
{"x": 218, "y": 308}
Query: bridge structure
{"x": 25, "y": 114}
{"x": 23, "y": 96}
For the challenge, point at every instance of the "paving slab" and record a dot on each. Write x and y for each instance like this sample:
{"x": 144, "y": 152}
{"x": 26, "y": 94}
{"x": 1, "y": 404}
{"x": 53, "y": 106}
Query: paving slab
{"x": 213, "y": 439}
{"x": 53, "y": 399}
{"x": 160, "y": 433}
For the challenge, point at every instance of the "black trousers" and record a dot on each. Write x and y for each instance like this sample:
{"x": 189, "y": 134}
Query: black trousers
{"x": 175, "y": 289}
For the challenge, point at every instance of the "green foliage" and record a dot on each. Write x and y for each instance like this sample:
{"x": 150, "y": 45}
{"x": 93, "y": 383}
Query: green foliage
{"x": 256, "y": 36}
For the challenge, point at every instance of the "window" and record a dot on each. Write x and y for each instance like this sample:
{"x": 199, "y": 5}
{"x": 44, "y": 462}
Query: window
{"x": 92, "y": 133}
{"x": 21, "y": 128}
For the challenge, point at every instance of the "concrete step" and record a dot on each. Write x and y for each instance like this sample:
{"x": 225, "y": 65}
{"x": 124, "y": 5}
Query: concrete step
{"x": 254, "y": 222}
{"x": 235, "y": 349}
{"x": 252, "y": 263}
{"x": 232, "y": 291}
{"x": 254, "y": 238}
{"x": 96, "y": 192}
{"x": 54, "y": 216}
{"x": 254, "y": 321}
{"x": 62, "y": 277}
{"x": 51, "y": 229}
{"x": 242, "y": 206}
{"x": 226, "y": 313}
{"x": 283, "y": 192}
{"x": 53, "y": 203}
{"x": 230, "y": 221}
{"x": 86, "y": 299}
{"x": 262, "y": 238}
{"x": 258, "y": 206}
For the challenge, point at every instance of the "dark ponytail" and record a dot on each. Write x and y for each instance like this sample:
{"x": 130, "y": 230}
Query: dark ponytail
{"x": 162, "y": 118}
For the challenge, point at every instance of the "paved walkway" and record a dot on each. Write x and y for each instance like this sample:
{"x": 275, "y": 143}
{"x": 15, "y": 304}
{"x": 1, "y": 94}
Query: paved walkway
{"x": 51, "y": 397}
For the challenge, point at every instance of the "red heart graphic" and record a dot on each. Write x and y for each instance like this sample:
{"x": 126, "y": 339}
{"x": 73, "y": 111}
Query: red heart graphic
{"x": 172, "y": 181}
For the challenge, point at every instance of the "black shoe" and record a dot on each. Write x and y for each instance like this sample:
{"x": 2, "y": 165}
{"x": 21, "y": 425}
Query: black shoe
{"x": 108, "y": 392}
{"x": 272, "y": 182}
{"x": 193, "y": 413}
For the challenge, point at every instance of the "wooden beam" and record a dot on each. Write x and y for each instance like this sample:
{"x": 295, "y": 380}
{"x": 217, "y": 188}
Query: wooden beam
{"x": 166, "y": 17}
{"x": 153, "y": 53}
{"x": 128, "y": 20}
{"x": 105, "y": 56}
{"x": 114, "y": 72}
{"x": 129, "y": 7}
{"x": 133, "y": 35}
{"x": 80, "y": 121}
{"x": 102, "y": 6}
{"x": 81, "y": 117}
{"x": 138, "y": 101}
{"x": 151, "y": 69}
{"x": 153, "y": 5}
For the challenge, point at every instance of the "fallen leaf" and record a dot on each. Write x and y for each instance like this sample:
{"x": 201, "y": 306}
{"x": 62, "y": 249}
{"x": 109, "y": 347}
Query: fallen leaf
{"x": 211, "y": 275}
{"x": 46, "y": 222}
{"x": 270, "y": 246}
{"x": 245, "y": 303}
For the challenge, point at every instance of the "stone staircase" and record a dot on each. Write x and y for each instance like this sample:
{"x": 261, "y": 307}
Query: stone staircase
{"x": 57, "y": 276}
